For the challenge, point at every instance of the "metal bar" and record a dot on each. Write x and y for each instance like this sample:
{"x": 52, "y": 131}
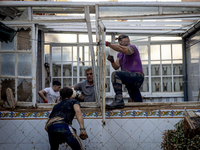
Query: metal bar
{"x": 184, "y": 69}
{"x": 192, "y": 30}
{"x": 43, "y": 60}
{"x": 104, "y": 76}
{"x": 149, "y": 17}
{"x": 126, "y": 31}
{"x": 97, "y": 51}
{"x": 34, "y": 65}
{"x": 106, "y": 23}
{"x": 152, "y": 4}
{"x": 100, "y": 4}
{"x": 44, "y": 4}
{"x": 117, "y": 23}
{"x": 87, "y": 16}
{"x": 120, "y": 28}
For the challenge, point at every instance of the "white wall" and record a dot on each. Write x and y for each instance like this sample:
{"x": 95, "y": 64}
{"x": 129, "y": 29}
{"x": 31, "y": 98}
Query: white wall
{"x": 127, "y": 130}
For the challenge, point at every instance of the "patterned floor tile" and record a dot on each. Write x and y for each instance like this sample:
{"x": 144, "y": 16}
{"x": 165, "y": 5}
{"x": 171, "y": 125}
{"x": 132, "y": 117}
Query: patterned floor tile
{"x": 130, "y": 127}
{"x": 139, "y": 136}
{"x": 3, "y": 137}
{"x": 103, "y": 136}
{"x": 156, "y": 135}
{"x": 9, "y": 128}
{"x": 130, "y": 144}
{"x": 139, "y": 122}
{"x": 121, "y": 136}
{"x": 112, "y": 127}
{"x": 9, "y": 147}
{"x": 34, "y": 136}
{"x": 26, "y": 128}
{"x": 147, "y": 126}
{"x": 112, "y": 144}
{"x": 17, "y": 136}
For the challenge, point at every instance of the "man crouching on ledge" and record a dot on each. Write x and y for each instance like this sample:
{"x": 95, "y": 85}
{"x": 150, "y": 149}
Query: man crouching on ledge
{"x": 59, "y": 125}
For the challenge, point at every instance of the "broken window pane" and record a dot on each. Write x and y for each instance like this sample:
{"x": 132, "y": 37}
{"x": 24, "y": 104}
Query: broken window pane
{"x": 7, "y": 64}
{"x": 8, "y": 46}
{"x": 24, "y": 64}
{"x": 24, "y": 90}
{"x": 7, "y": 83}
{"x": 24, "y": 39}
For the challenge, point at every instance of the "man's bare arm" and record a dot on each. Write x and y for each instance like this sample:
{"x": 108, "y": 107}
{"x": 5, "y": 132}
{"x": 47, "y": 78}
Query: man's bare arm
{"x": 79, "y": 115}
{"x": 116, "y": 64}
{"x": 123, "y": 49}
{"x": 42, "y": 94}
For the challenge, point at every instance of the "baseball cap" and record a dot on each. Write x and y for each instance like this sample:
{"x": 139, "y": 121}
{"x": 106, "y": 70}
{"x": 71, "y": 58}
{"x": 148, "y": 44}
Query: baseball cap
{"x": 121, "y": 36}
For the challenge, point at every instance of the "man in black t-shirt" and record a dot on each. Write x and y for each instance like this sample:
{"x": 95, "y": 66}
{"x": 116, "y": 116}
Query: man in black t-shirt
{"x": 59, "y": 125}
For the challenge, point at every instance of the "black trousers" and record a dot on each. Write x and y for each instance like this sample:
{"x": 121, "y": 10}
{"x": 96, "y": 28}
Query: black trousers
{"x": 133, "y": 82}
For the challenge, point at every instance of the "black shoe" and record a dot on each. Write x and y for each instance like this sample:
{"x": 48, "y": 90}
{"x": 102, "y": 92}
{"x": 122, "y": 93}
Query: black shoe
{"x": 115, "y": 105}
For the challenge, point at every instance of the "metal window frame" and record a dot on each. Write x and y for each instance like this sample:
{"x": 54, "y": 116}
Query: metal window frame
{"x": 33, "y": 52}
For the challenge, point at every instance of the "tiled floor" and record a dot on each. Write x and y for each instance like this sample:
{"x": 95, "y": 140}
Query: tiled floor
{"x": 117, "y": 134}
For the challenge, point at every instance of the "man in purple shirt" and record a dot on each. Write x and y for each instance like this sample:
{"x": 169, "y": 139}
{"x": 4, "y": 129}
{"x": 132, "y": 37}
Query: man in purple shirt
{"x": 131, "y": 73}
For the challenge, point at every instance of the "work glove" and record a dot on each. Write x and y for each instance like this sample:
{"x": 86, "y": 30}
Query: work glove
{"x": 110, "y": 58}
{"x": 107, "y": 43}
{"x": 45, "y": 101}
{"x": 74, "y": 93}
{"x": 83, "y": 135}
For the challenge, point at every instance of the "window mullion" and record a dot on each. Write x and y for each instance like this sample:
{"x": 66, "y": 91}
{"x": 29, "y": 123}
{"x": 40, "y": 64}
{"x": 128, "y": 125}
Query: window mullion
{"x": 50, "y": 66}
{"x": 172, "y": 69}
{"x": 72, "y": 66}
{"x": 16, "y": 39}
{"x": 149, "y": 64}
{"x": 161, "y": 80}
{"x": 61, "y": 65}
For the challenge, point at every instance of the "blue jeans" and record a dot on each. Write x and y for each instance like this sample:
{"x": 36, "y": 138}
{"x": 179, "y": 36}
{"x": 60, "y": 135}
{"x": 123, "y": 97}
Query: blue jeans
{"x": 133, "y": 82}
{"x": 60, "y": 133}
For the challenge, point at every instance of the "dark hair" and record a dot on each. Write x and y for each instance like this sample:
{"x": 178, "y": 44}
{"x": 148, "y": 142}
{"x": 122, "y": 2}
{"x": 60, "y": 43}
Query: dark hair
{"x": 89, "y": 68}
{"x": 56, "y": 83}
{"x": 66, "y": 92}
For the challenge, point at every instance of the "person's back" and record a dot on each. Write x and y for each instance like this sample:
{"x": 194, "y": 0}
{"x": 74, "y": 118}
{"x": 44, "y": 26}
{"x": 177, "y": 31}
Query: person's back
{"x": 65, "y": 111}
{"x": 59, "y": 125}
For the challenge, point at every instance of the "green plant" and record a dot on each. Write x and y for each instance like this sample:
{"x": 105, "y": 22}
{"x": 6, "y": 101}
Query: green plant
{"x": 177, "y": 140}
